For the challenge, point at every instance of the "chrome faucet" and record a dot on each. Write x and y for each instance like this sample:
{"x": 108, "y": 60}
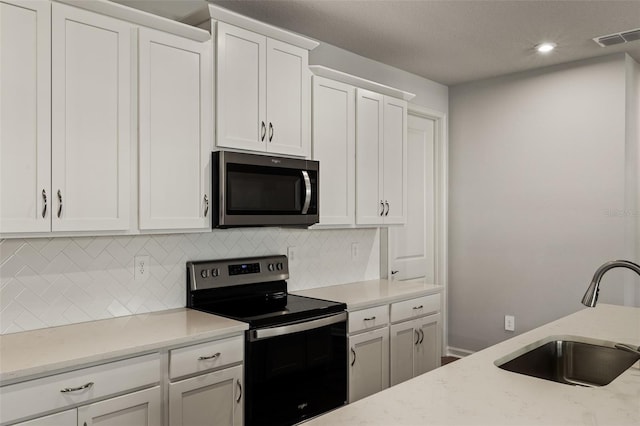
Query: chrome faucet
{"x": 590, "y": 298}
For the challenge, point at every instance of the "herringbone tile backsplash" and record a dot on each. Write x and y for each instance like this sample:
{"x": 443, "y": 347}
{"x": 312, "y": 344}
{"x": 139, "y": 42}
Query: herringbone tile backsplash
{"x": 46, "y": 282}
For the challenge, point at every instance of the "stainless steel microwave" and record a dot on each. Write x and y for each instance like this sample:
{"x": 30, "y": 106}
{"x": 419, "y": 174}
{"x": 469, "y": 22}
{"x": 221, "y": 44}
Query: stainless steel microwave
{"x": 258, "y": 190}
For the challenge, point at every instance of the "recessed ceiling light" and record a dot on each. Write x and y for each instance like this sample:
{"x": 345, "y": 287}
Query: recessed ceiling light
{"x": 545, "y": 47}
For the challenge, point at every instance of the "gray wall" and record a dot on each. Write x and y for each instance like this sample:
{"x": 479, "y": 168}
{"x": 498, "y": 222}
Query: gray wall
{"x": 428, "y": 93}
{"x": 539, "y": 196}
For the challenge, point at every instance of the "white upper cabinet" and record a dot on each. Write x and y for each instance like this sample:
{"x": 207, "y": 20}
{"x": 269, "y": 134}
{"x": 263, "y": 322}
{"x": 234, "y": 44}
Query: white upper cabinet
{"x": 369, "y": 180}
{"x": 175, "y": 107}
{"x": 241, "y": 88}
{"x": 381, "y": 158}
{"x": 91, "y": 120}
{"x": 263, "y": 93}
{"x": 334, "y": 132}
{"x": 394, "y": 167}
{"x": 25, "y": 116}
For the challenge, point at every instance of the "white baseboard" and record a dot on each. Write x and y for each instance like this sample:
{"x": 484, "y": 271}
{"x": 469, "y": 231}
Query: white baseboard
{"x": 459, "y": 352}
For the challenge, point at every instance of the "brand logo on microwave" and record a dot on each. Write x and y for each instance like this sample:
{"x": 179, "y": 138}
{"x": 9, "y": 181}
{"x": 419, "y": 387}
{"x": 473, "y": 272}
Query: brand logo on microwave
{"x": 276, "y": 161}
{"x": 302, "y": 406}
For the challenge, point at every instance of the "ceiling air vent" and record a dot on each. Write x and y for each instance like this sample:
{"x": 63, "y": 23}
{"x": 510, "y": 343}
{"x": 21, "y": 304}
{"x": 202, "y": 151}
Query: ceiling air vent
{"x": 618, "y": 38}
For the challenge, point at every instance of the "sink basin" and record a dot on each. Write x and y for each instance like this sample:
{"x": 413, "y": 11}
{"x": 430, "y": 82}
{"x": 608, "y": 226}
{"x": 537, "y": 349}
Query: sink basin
{"x": 570, "y": 360}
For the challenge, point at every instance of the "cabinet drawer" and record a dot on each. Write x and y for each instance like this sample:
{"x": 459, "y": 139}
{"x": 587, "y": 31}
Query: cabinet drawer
{"x": 54, "y": 392}
{"x": 414, "y": 308}
{"x": 368, "y": 318}
{"x": 205, "y": 356}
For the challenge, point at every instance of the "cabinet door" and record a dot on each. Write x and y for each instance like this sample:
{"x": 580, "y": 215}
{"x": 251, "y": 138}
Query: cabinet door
{"x": 134, "y": 409}
{"x": 241, "y": 88}
{"x": 91, "y": 97}
{"x": 66, "y": 418}
{"x": 25, "y": 116}
{"x": 369, "y": 203}
{"x": 334, "y": 134}
{"x": 428, "y": 351}
{"x": 213, "y": 399}
{"x": 404, "y": 340}
{"x": 368, "y": 363}
{"x": 395, "y": 161}
{"x": 288, "y": 99}
{"x": 175, "y": 137}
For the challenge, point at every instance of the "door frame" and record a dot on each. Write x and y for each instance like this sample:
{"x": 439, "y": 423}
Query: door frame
{"x": 441, "y": 191}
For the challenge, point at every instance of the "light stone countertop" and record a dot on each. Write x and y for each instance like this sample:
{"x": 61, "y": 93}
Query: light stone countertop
{"x": 364, "y": 294}
{"x": 473, "y": 391}
{"x": 49, "y": 350}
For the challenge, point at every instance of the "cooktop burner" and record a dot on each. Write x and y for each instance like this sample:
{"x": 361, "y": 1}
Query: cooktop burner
{"x": 252, "y": 290}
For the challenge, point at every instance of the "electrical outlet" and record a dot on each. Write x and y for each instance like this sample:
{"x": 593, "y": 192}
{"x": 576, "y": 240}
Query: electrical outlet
{"x": 141, "y": 268}
{"x": 292, "y": 254}
{"x": 355, "y": 248}
{"x": 509, "y": 323}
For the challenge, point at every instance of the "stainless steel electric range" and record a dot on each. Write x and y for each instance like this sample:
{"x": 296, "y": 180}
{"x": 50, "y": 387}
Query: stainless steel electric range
{"x": 295, "y": 363}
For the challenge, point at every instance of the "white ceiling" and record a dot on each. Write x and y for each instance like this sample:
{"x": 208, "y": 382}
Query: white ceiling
{"x": 448, "y": 41}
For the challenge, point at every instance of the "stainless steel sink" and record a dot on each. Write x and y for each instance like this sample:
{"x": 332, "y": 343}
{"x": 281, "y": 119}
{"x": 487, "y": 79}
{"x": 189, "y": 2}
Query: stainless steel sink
{"x": 570, "y": 360}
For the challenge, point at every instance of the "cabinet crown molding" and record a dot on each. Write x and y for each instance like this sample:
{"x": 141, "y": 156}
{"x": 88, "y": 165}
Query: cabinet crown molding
{"x": 217, "y": 13}
{"x": 353, "y": 80}
{"x": 140, "y": 17}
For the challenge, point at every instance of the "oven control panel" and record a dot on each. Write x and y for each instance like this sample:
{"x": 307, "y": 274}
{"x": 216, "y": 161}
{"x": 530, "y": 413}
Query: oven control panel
{"x": 227, "y": 272}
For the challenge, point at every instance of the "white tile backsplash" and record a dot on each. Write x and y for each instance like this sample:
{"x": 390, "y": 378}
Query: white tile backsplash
{"x": 47, "y": 282}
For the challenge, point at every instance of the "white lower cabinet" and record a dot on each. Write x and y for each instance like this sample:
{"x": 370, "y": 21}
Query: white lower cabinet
{"x": 80, "y": 387}
{"x": 369, "y": 363}
{"x": 368, "y": 351}
{"x": 134, "y": 409}
{"x": 415, "y": 343}
{"x": 214, "y": 396}
{"x": 66, "y": 418}
{"x": 209, "y": 399}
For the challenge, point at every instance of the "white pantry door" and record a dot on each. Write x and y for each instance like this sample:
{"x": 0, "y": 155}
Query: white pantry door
{"x": 412, "y": 246}
{"x": 25, "y": 116}
{"x": 91, "y": 103}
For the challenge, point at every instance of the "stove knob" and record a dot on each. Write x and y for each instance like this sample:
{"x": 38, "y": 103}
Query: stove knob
{"x": 279, "y": 266}
{"x": 204, "y": 273}
{"x": 271, "y": 267}
{"x": 215, "y": 272}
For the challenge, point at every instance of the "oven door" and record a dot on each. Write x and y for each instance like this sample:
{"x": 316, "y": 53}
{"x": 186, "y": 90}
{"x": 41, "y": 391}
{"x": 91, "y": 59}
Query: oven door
{"x": 257, "y": 190}
{"x": 294, "y": 372}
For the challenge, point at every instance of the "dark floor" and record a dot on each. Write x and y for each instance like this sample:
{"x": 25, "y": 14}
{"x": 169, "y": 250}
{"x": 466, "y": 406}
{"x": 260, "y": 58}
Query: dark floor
{"x": 448, "y": 359}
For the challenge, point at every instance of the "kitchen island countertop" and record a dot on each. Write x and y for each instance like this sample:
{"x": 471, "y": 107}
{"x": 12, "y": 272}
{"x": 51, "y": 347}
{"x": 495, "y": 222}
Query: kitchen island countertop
{"x": 473, "y": 391}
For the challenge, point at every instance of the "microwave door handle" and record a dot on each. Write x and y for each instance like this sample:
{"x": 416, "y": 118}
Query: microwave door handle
{"x": 307, "y": 192}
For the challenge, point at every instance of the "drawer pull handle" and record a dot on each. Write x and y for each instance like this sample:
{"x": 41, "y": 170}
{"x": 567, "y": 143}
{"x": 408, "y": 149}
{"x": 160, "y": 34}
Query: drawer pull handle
{"x": 418, "y": 307}
{"x": 370, "y": 318}
{"x": 87, "y": 386}
{"x": 214, "y": 356}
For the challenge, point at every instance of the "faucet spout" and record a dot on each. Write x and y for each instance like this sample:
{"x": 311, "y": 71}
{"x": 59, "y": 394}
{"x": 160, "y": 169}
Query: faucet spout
{"x": 590, "y": 297}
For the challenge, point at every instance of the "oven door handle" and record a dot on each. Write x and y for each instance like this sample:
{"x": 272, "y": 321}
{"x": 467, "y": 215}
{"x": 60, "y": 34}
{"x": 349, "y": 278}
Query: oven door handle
{"x": 266, "y": 333}
{"x": 307, "y": 192}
